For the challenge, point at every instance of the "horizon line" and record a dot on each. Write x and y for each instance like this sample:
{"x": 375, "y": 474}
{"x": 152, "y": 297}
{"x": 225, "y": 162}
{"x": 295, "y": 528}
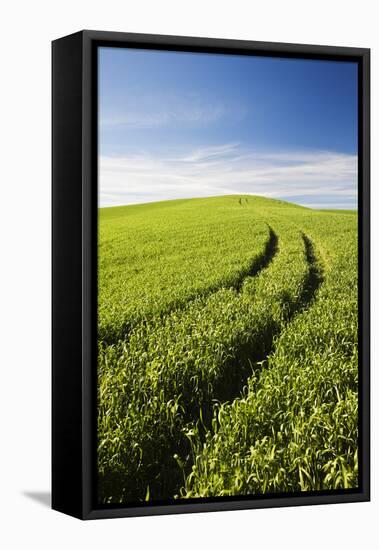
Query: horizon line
{"x": 242, "y": 195}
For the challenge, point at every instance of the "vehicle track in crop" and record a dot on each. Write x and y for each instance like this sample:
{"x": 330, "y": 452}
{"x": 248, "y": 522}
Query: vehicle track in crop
{"x": 246, "y": 359}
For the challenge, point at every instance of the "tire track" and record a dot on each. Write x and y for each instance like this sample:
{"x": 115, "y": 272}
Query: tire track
{"x": 253, "y": 355}
{"x": 247, "y": 359}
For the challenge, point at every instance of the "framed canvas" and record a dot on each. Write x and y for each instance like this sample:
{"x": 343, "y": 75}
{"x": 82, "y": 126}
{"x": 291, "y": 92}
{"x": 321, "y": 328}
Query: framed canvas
{"x": 210, "y": 275}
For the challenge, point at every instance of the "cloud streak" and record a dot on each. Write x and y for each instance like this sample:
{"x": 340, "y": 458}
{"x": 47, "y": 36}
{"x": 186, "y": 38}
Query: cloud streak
{"x": 156, "y": 112}
{"x": 305, "y": 177}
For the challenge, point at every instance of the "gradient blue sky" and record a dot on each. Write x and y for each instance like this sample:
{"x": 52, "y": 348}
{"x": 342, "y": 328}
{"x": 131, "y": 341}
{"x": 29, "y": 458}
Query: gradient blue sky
{"x": 176, "y": 125}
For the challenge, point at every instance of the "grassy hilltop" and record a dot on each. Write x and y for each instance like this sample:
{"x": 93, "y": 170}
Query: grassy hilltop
{"x": 227, "y": 359}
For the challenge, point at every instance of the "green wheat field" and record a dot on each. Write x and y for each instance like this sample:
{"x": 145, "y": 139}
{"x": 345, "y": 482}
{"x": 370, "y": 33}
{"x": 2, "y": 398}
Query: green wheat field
{"x": 227, "y": 349}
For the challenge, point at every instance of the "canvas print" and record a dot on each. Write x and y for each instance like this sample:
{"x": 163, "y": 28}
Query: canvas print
{"x": 227, "y": 331}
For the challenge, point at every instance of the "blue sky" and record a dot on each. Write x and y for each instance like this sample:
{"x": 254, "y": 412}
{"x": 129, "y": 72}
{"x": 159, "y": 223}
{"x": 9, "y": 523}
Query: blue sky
{"x": 176, "y": 125}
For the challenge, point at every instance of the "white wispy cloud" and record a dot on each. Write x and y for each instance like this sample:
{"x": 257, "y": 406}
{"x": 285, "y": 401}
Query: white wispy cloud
{"x": 154, "y": 112}
{"x": 311, "y": 177}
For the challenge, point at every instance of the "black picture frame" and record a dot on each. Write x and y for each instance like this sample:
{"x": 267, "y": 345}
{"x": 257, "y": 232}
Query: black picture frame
{"x": 74, "y": 263}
